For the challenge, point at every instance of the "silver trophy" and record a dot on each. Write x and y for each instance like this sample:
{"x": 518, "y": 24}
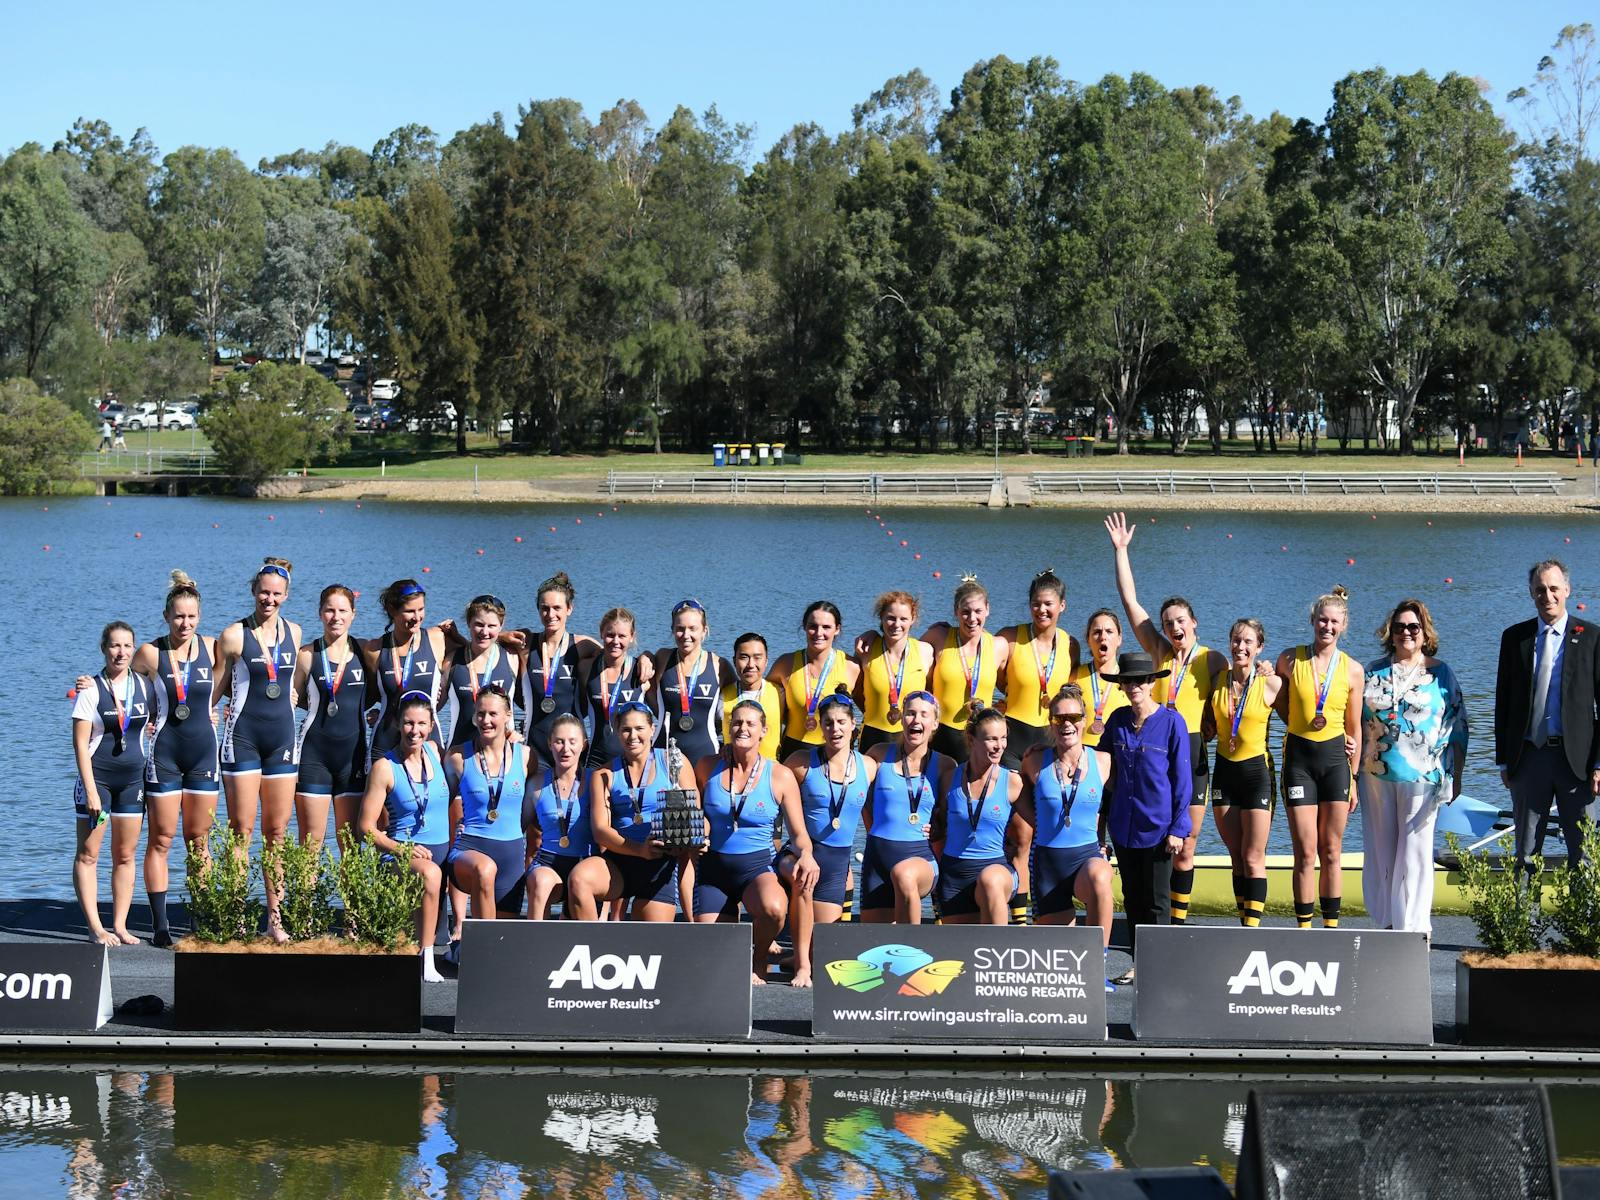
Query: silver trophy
{"x": 680, "y": 824}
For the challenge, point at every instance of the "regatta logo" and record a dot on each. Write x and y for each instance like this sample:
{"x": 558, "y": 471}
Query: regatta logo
{"x": 205, "y": 674}
{"x": 905, "y": 969}
{"x": 607, "y": 972}
{"x": 41, "y": 985}
{"x": 1286, "y": 978}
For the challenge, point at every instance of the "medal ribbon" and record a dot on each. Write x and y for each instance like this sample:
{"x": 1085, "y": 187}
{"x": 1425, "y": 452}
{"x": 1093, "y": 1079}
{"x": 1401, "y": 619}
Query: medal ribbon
{"x": 1326, "y": 682}
{"x": 816, "y": 692}
{"x": 420, "y": 798}
{"x": 898, "y": 680}
{"x": 608, "y": 703}
{"x": 686, "y": 687}
{"x": 499, "y": 783}
{"x": 914, "y": 806}
{"x": 483, "y": 682}
{"x": 1102, "y": 693}
{"x": 975, "y": 810}
{"x": 1180, "y": 671}
{"x": 1046, "y": 669}
{"x": 333, "y": 681}
{"x": 742, "y": 796}
{"x": 1238, "y": 712}
{"x": 638, "y": 789}
{"x": 1072, "y": 796}
{"x": 569, "y": 802}
{"x": 545, "y": 662}
{"x": 402, "y": 672}
{"x": 975, "y": 672}
{"x": 124, "y": 707}
{"x": 836, "y": 799}
{"x": 270, "y": 653}
{"x": 180, "y": 683}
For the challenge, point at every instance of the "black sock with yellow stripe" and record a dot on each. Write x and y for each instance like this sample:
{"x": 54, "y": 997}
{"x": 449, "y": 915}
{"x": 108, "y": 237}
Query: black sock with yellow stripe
{"x": 1022, "y": 909}
{"x": 1238, "y": 896}
{"x": 1304, "y": 910}
{"x": 1255, "y": 901}
{"x": 848, "y": 911}
{"x": 1330, "y": 911}
{"x": 1178, "y": 892}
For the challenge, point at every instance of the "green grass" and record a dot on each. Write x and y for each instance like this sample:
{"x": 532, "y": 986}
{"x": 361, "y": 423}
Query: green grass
{"x": 414, "y": 456}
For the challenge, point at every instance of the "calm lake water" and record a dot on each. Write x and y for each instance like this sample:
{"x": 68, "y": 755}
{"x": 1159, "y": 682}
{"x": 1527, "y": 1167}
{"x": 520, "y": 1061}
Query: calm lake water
{"x": 753, "y": 567}
{"x": 293, "y": 1132}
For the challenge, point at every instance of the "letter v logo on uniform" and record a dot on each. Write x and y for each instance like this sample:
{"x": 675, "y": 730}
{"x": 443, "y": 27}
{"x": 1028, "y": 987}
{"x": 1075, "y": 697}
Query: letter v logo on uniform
{"x": 1284, "y": 978}
{"x": 608, "y": 972}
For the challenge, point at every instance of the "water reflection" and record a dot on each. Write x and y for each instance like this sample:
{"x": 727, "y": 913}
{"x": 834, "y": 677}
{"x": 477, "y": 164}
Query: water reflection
{"x": 510, "y": 1132}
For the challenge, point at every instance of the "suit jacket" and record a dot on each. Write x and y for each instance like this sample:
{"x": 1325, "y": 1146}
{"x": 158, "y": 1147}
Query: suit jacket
{"x": 1513, "y": 693}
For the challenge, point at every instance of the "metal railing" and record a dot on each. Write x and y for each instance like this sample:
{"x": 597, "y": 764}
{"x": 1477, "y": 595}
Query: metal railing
{"x": 121, "y": 463}
{"x": 867, "y": 484}
{"x": 1301, "y": 483}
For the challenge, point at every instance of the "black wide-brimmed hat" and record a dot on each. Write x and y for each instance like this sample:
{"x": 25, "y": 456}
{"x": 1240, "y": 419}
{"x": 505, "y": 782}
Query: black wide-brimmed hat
{"x": 1135, "y": 664}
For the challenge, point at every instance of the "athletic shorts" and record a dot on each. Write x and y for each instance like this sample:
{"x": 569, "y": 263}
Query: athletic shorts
{"x": 259, "y": 743}
{"x": 1199, "y": 770}
{"x": 1315, "y": 772}
{"x": 509, "y": 867}
{"x": 646, "y": 879}
{"x": 958, "y": 883}
{"x": 121, "y": 799}
{"x": 332, "y": 771}
{"x": 1246, "y": 784}
{"x": 720, "y": 880}
{"x": 950, "y": 741}
{"x": 833, "y": 863}
{"x": 1054, "y": 872}
{"x": 561, "y": 864}
{"x": 877, "y": 868}
{"x": 1020, "y": 738}
{"x": 188, "y": 765}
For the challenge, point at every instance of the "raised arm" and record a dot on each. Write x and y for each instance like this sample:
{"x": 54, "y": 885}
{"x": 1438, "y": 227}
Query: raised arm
{"x": 1144, "y": 628}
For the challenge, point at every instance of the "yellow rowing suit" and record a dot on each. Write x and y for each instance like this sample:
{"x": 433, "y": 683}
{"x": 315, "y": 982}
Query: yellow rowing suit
{"x": 950, "y": 685}
{"x": 771, "y": 701}
{"x": 875, "y": 678}
{"x": 1303, "y": 688}
{"x": 1189, "y": 699}
{"x": 1253, "y": 721}
{"x": 797, "y": 694}
{"x": 1026, "y": 702}
{"x": 1112, "y": 697}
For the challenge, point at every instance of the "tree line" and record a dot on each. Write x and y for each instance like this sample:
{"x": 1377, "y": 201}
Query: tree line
{"x": 1119, "y": 255}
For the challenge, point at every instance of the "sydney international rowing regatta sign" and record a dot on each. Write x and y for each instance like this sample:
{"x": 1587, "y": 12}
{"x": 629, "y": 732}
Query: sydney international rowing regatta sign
{"x": 604, "y": 979}
{"x": 1206, "y": 983}
{"x": 959, "y": 983}
{"x": 54, "y": 987}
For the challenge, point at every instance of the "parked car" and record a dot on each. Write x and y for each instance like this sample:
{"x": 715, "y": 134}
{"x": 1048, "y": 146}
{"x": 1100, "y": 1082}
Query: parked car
{"x": 148, "y": 413}
{"x": 315, "y": 358}
{"x": 363, "y": 416}
{"x": 347, "y": 359}
{"x": 386, "y": 389}
{"x": 114, "y": 412}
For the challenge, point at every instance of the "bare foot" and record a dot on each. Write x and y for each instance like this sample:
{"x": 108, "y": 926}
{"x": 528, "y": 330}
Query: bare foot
{"x": 126, "y": 938}
{"x": 756, "y": 980}
{"x": 275, "y": 930}
{"x": 801, "y": 978}
{"x": 105, "y": 937}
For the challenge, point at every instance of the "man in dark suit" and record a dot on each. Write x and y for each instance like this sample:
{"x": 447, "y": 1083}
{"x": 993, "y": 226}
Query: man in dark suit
{"x": 1546, "y": 737}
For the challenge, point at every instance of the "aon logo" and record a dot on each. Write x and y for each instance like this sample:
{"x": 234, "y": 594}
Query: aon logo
{"x": 608, "y": 972}
{"x": 1285, "y": 978}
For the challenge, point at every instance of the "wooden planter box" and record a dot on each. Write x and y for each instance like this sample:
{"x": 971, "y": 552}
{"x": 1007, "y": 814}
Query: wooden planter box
{"x": 290, "y": 990}
{"x": 1527, "y": 1006}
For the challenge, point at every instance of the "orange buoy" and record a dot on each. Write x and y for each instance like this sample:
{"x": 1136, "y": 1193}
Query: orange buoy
{"x": 138, "y": 535}
{"x": 480, "y": 549}
{"x": 426, "y": 570}
{"x": 936, "y": 575}
{"x": 902, "y": 541}
{"x": 72, "y": 693}
{"x": 1582, "y": 606}
{"x": 47, "y": 546}
{"x": 918, "y": 557}
{"x": 1449, "y": 579}
{"x": 1349, "y": 562}
{"x": 519, "y": 537}
{"x": 577, "y": 520}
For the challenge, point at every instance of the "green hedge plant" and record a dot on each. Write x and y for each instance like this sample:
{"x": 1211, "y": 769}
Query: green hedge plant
{"x": 1574, "y": 907}
{"x": 1503, "y": 903}
{"x": 381, "y": 895}
{"x": 221, "y": 905}
{"x": 306, "y": 876}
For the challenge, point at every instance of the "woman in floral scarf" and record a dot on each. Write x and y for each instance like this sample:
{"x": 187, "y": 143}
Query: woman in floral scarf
{"x": 1414, "y": 746}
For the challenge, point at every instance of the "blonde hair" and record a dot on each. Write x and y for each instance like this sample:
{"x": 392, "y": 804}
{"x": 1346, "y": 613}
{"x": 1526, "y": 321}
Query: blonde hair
{"x": 182, "y": 586}
{"x": 1337, "y": 598}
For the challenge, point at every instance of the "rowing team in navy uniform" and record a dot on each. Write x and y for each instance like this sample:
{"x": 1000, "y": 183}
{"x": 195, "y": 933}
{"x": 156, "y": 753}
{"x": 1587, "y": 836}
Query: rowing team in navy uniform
{"x": 990, "y": 774}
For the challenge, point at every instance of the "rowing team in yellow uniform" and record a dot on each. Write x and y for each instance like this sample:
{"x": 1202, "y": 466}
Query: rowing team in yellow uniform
{"x": 970, "y": 761}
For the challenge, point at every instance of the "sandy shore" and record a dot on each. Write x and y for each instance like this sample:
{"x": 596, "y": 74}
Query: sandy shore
{"x": 586, "y": 489}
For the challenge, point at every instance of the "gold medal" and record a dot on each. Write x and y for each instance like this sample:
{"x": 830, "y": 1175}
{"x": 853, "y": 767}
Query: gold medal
{"x": 837, "y": 822}
{"x": 565, "y": 841}
{"x": 916, "y": 818}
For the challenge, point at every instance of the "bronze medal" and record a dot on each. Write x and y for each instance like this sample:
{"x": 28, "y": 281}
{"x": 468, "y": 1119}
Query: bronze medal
{"x": 1319, "y": 722}
{"x": 811, "y": 723}
{"x": 894, "y": 714}
{"x": 1098, "y": 726}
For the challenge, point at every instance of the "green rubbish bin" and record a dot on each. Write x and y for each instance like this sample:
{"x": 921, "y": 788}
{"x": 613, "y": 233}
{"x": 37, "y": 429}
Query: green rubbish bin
{"x": 763, "y": 454}
{"x": 777, "y": 454}
{"x": 744, "y": 454}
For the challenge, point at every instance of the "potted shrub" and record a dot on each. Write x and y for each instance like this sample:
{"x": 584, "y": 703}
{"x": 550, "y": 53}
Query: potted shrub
{"x": 1536, "y": 982}
{"x": 228, "y": 976}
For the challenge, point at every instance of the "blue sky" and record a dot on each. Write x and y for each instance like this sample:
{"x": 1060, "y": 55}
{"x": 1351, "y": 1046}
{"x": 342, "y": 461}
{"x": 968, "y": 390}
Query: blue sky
{"x": 351, "y": 72}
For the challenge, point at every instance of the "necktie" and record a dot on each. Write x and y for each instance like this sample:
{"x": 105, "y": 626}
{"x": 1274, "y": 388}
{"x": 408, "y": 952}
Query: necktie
{"x": 1544, "y": 660}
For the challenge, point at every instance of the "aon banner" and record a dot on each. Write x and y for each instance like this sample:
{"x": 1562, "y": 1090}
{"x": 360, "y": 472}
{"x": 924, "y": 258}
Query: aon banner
{"x": 1335, "y": 986}
{"x": 604, "y": 979}
{"x": 968, "y": 983}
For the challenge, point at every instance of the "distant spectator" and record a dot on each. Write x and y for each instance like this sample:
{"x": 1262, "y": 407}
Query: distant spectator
{"x": 121, "y": 443}
{"x": 105, "y": 435}
{"x": 1594, "y": 447}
